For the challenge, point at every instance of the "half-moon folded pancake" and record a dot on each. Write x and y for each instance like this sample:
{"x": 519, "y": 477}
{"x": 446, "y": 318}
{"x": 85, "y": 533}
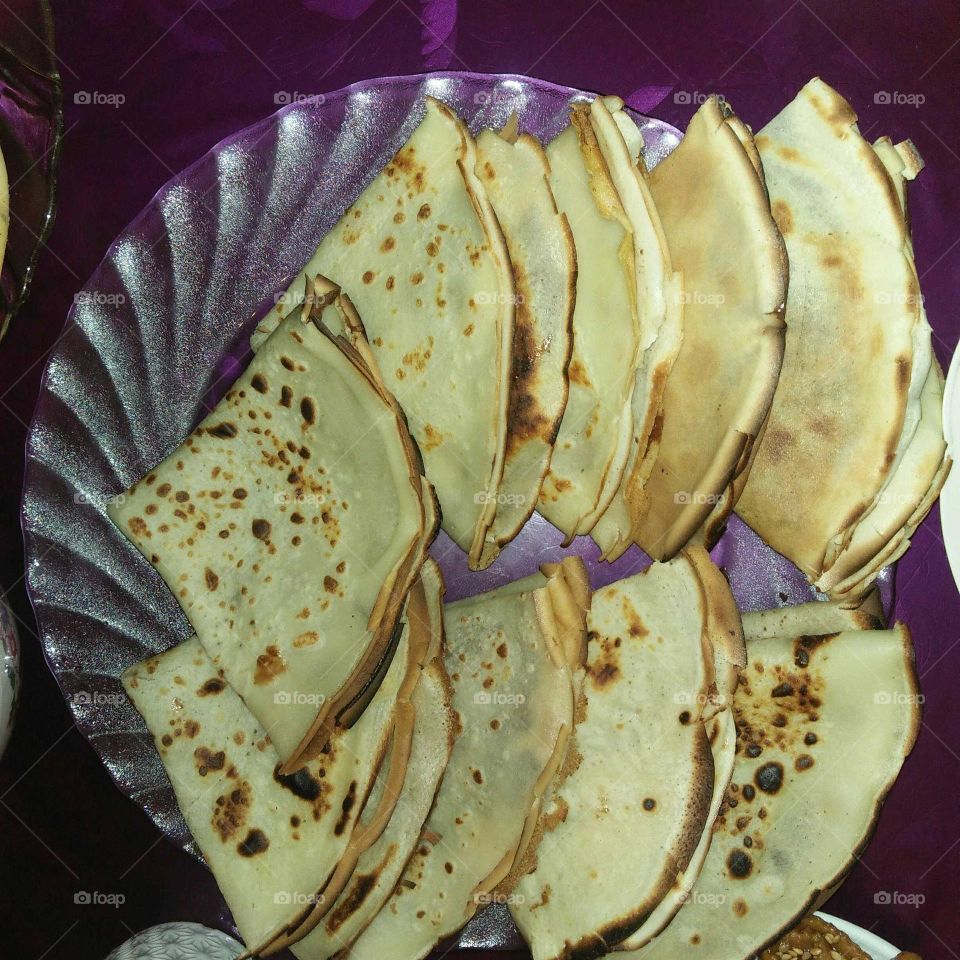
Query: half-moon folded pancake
{"x": 290, "y": 525}
{"x": 722, "y": 238}
{"x": 514, "y": 697}
{"x": 848, "y": 400}
{"x": 632, "y": 800}
{"x": 593, "y": 443}
{"x": 422, "y": 256}
{"x": 824, "y": 724}
{"x": 516, "y": 176}
{"x": 272, "y": 841}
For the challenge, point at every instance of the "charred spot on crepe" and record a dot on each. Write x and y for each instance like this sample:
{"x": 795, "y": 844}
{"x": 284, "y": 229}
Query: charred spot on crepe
{"x": 212, "y": 686}
{"x": 360, "y": 887}
{"x": 769, "y": 777}
{"x": 256, "y": 841}
{"x": 739, "y": 864}
{"x": 345, "y": 808}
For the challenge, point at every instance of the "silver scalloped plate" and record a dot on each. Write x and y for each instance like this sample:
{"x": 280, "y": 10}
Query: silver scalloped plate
{"x": 161, "y": 329}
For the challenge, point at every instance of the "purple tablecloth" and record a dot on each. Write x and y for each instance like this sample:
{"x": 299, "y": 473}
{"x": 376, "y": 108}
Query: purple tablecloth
{"x": 150, "y": 86}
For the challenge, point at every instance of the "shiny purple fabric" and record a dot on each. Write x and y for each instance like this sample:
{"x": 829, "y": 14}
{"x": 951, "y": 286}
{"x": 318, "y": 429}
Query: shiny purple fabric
{"x": 190, "y": 74}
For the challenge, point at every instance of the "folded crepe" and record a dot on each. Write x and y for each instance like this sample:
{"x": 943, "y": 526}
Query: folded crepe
{"x": 361, "y": 884}
{"x": 515, "y": 174}
{"x": 713, "y": 205}
{"x": 273, "y": 842}
{"x": 851, "y": 458}
{"x": 592, "y": 446}
{"x": 729, "y": 658}
{"x": 422, "y": 255}
{"x": 824, "y": 723}
{"x": 634, "y": 796}
{"x": 883, "y": 533}
{"x": 290, "y": 525}
{"x": 513, "y": 694}
{"x": 827, "y": 616}
{"x": 660, "y": 314}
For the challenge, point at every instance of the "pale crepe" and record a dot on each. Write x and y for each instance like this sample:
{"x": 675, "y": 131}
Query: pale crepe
{"x": 824, "y": 726}
{"x": 421, "y": 253}
{"x": 633, "y": 798}
{"x": 593, "y": 443}
{"x": 729, "y": 659}
{"x": 722, "y": 238}
{"x": 271, "y": 841}
{"x": 921, "y": 465}
{"x": 848, "y": 400}
{"x": 289, "y": 525}
{"x": 515, "y": 174}
{"x": 660, "y": 314}
{"x": 514, "y": 698}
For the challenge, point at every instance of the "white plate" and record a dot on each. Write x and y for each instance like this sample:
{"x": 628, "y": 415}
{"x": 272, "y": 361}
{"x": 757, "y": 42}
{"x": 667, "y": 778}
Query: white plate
{"x": 864, "y": 939}
{"x": 950, "y": 496}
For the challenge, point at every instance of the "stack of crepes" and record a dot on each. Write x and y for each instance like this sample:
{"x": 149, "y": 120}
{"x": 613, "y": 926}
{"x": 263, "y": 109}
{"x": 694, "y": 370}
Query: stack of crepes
{"x": 569, "y": 330}
{"x": 622, "y": 770}
{"x": 365, "y": 769}
{"x": 527, "y": 309}
{"x": 853, "y": 456}
{"x": 426, "y": 803}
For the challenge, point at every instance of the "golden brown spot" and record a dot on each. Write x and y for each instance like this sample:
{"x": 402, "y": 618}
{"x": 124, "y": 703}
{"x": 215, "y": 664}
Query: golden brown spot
{"x": 578, "y": 374}
{"x": 468, "y": 330}
{"x": 477, "y": 776}
{"x": 424, "y": 212}
{"x": 307, "y": 639}
{"x": 432, "y": 438}
{"x": 261, "y": 529}
{"x": 230, "y": 810}
{"x": 330, "y": 584}
{"x": 212, "y": 579}
{"x": 782, "y": 215}
{"x": 399, "y": 217}
{"x": 388, "y": 244}
{"x": 286, "y": 396}
{"x": 270, "y": 664}
{"x": 368, "y": 277}
{"x": 137, "y": 525}
{"x": 259, "y": 383}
